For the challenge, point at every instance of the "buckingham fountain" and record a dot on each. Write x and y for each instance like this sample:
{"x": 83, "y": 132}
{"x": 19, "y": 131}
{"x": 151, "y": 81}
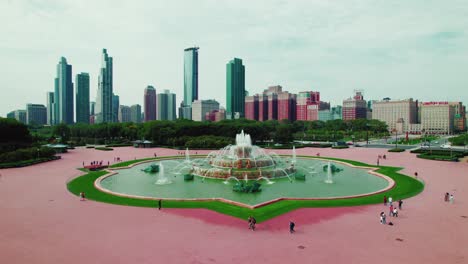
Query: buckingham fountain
{"x": 244, "y": 161}
{"x": 237, "y": 169}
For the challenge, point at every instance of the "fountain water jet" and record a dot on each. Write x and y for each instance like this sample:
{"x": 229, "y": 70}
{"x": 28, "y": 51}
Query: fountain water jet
{"x": 162, "y": 179}
{"x": 329, "y": 174}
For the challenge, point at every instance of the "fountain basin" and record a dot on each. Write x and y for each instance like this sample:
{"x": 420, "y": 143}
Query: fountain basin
{"x": 351, "y": 182}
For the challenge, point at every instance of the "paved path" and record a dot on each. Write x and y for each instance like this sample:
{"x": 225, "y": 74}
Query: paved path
{"x": 41, "y": 222}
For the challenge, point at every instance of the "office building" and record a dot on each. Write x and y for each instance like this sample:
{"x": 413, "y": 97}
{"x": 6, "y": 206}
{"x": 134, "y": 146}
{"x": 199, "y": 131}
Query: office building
{"x": 190, "y": 81}
{"x": 304, "y": 99}
{"x": 459, "y": 120}
{"x": 125, "y": 114}
{"x": 201, "y": 107}
{"x": 50, "y": 108}
{"x": 150, "y": 103}
{"x": 19, "y": 115}
{"x": 115, "y": 107}
{"x": 166, "y": 103}
{"x": 135, "y": 113}
{"x": 235, "y": 88}
{"x": 63, "y": 94}
{"x": 82, "y": 98}
{"x": 104, "y": 111}
{"x": 354, "y": 108}
{"x": 287, "y": 106}
{"x": 36, "y": 114}
{"x": 252, "y": 107}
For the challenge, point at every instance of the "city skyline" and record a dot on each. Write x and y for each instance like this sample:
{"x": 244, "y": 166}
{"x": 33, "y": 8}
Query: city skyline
{"x": 344, "y": 47}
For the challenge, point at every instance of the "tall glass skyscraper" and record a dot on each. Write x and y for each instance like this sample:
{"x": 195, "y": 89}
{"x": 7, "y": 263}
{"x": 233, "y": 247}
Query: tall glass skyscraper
{"x": 235, "y": 88}
{"x": 50, "y": 108}
{"x": 135, "y": 113}
{"x": 149, "y": 101}
{"x": 82, "y": 98}
{"x": 104, "y": 113}
{"x": 63, "y": 95}
{"x": 166, "y": 106}
{"x": 115, "y": 108}
{"x": 190, "y": 79}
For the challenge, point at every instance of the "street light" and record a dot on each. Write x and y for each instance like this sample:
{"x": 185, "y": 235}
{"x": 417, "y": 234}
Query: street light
{"x": 396, "y": 138}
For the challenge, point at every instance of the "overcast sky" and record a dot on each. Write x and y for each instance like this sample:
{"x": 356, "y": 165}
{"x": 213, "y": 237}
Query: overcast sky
{"x": 396, "y": 49}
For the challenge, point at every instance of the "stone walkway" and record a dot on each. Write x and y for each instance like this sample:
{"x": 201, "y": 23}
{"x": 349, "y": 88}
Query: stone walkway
{"x": 41, "y": 222}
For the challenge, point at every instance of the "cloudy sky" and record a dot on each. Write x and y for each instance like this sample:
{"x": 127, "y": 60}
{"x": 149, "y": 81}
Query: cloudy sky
{"x": 395, "y": 49}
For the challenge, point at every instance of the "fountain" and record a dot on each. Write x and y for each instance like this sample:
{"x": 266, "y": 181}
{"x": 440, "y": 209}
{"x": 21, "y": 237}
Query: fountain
{"x": 329, "y": 174}
{"x": 162, "y": 179}
{"x": 243, "y": 161}
{"x": 187, "y": 156}
{"x": 293, "y": 155}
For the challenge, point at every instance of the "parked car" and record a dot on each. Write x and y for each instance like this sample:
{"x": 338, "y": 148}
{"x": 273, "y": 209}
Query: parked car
{"x": 446, "y": 146}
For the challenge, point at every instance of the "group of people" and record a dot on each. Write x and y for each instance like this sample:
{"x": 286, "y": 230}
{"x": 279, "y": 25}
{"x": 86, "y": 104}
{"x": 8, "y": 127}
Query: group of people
{"x": 393, "y": 211}
{"x": 380, "y": 157}
{"x": 117, "y": 159}
{"x": 448, "y": 197}
{"x": 252, "y": 222}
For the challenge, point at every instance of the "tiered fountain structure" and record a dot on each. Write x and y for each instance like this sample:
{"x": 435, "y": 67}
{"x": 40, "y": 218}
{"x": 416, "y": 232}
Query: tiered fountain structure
{"x": 244, "y": 161}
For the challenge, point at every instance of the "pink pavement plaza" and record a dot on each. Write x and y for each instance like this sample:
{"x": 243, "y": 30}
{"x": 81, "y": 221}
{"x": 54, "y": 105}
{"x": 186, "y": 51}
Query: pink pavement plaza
{"x": 42, "y": 222}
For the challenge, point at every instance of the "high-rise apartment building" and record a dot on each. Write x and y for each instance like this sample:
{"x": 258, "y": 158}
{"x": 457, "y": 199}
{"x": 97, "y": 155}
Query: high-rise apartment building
{"x": 166, "y": 106}
{"x": 235, "y": 88}
{"x": 150, "y": 103}
{"x": 354, "y": 108}
{"x": 201, "y": 107}
{"x": 403, "y": 111}
{"x": 50, "y": 108}
{"x": 63, "y": 94}
{"x": 252, "y": 107}
{"x": 135, "y": 113}
{"x": 104, "y": 111}
{"x": 82, "y": 98}
{"x": 437, "y": 118}
{"x": 190, "y": 81}
{"x": 36, "y": 114}
{"x": 125, "y": 114}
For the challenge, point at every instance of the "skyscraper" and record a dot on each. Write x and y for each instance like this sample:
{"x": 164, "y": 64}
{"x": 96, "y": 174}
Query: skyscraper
{"x": 235, "y": 88}
{"x": 36, "y": 114}
{"x": 63, "y": 95}
{"x": 252, "y": 107}
{"x": 190, "y": 80}
{"x": 125, "y": 114}
{"x": 92, "y": 112}
{"x": 82, "y": 98}
{"x": 105, "y": 91}
{"x": 50, "y": 108}
{"x": 115, "y": 107}
{"x": 150, "y": 103}
{"x": 135, "y": 113}
{"x": 166, "y": 106}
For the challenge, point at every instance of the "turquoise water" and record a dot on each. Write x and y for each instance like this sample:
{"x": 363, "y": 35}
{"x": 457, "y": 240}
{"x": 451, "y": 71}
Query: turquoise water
{"x": 350, "y": 181}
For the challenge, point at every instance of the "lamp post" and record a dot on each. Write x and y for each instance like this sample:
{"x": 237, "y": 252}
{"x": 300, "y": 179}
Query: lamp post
{"x": 396, "y": 138}
{"x": 37, "y": 153}
{"x": 367, "y": 135}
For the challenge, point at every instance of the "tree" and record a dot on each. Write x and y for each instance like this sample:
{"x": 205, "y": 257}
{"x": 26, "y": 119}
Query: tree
{"x": 62, "y": 131}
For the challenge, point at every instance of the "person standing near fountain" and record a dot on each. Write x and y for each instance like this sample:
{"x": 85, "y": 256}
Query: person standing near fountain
{"x": 291, "y": 227}
{"x": 159, "y": 204}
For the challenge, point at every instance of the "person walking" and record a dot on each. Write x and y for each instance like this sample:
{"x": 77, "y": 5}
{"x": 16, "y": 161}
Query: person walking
{"x": 390, "y": 200}
{"x": 159, "y": 204}
{"x": 400, "y": 203}
{"x": 377, "y": 162}
{"x": 446, "y": 198}
{"x": 451, "y": 199}
{"x": 395, "y": 212}
{"x": 291, "y": 227}
{"x": 385, "y": 200}
{"x": 82, "y": 196}
{"x": 391, "y": 210}
{"x": 250, "y": 221}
